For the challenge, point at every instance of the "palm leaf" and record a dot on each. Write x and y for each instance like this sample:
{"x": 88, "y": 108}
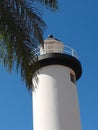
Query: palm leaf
{"x": 52, "y": 4}
{"x": 21, "y": 31}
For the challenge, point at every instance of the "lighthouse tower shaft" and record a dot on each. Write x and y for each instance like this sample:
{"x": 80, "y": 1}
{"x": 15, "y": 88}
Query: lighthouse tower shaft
{"x": 55, "y": 100}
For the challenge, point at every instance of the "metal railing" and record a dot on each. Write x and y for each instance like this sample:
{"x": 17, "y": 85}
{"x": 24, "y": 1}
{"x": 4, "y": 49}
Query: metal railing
{"x": 70, "y": 51}
{"x": 55, "y": 48}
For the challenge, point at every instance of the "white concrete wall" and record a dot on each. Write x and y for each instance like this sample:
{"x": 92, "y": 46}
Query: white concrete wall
{"x": 55, "y": 101}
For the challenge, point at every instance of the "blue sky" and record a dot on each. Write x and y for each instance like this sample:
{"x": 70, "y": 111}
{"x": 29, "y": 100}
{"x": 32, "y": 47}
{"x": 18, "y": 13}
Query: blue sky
{"x": 75, "y": 24}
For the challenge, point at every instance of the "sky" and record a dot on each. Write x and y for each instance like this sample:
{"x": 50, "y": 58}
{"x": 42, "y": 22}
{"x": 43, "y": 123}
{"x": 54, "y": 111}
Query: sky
{"x": 76, "y": 25}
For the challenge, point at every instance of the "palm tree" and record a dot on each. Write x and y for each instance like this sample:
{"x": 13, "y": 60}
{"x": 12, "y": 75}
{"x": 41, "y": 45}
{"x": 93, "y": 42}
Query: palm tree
{"x": 21, "y": 31}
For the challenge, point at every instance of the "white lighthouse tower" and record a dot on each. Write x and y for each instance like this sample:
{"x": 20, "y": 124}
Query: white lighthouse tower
{"x": 55, "y": 100}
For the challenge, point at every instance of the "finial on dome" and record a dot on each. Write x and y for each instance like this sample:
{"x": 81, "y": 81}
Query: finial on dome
{"x": 50, "y": 36}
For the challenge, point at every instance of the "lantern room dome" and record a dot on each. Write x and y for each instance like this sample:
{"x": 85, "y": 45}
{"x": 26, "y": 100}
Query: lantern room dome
{"x": 52, "y": 45}
{"x": 52, "y": 40}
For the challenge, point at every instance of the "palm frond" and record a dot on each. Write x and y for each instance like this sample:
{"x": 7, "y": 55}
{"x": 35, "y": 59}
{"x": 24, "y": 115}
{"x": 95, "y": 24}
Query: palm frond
{"x": 51, "y": 4}
{"x": 21, "y": 31}
{"x": 19, "y": 39}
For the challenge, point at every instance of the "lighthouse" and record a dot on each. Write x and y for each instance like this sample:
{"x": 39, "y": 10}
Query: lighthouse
{"x": 55, "y": 99}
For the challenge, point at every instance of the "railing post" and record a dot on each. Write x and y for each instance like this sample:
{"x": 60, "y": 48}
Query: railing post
{"x": 72, "y": 52}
